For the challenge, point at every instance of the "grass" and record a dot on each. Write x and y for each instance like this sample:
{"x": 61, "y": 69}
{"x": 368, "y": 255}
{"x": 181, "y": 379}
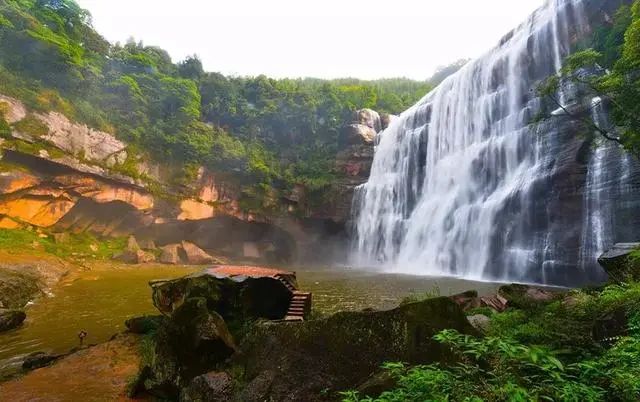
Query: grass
{"x": 73, "y": 246}
{"x": 32, "y": 125}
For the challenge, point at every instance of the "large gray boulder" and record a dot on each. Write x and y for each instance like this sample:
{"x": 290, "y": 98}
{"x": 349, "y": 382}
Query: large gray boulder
{"x": 297, "y": 361}
{"x": 619, "y": 264}
{"x": 190, "y": 343}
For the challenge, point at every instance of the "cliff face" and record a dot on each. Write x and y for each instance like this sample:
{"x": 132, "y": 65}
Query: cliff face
{"x": 68, "y": 177}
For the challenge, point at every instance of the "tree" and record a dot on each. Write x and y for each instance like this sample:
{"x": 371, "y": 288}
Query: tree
{"x": 619, "y": 88}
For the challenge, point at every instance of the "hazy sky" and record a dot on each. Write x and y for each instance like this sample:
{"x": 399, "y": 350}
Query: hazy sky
{"x": 327, "y": 39}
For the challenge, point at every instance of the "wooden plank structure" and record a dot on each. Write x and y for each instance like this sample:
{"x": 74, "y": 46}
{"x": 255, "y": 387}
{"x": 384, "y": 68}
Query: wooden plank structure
{"x": 300, "y": 304}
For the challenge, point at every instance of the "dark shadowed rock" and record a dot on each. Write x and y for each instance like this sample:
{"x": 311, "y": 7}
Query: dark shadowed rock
{"x": 617, "y": 262}
{"x": 144, "y": 324}
{"x": 210, "y": 387}
{"x": 608, "y": 328}
{"x": 10, "y": 319}
{"x": 190, "y": 343}
{"x": 377, "y": 384}
{"x": 311, "y": 358}
{"x": 38, "y": 360}
{"x": 236, "y": 298}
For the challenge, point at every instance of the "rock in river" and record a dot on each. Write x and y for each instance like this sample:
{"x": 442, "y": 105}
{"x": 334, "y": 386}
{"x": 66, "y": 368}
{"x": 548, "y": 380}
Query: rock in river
{"x": 10, "y": 319}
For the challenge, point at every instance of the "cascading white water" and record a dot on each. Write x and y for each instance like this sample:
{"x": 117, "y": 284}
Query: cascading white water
{"x": 453, "y": 179}
{"x": 597, "y": 225}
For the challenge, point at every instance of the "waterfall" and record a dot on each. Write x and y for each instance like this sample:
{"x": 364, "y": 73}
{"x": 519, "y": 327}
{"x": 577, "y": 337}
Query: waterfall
{"x": 597, "y": 225}
{"x": 459, "y": 182}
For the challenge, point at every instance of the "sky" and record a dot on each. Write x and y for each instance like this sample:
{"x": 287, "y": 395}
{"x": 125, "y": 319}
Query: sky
{"x": 312, "y": 38}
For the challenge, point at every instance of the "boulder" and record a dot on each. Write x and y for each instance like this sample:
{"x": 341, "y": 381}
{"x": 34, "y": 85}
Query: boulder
{"x": 523, "y": 296}
{"x": 38, "y": 360}
{"x": 237, "y": 298}
{"x": 147, "y": 244}
{"x": 210, "y": 387}
{"x": 133, "y": 254}
{"x": 356, "y": 134}
{"x": 132, "y": 244}
{"x": 480, "y": 322}
{"x": 466, "y": 300}
{"x": 135, "y": 257}
{"x": 194, "y": 255}
{"x": 470, "y": 300}
{"x": 369, "y": 118}
{"x": 608, "y": 328}
{"x": 190, "y": 343}
{"x": 10, "y": 319}
{"x": 618, "y": 264}
{"x": 170, "y": 254}
{"x": 307, "y": 358}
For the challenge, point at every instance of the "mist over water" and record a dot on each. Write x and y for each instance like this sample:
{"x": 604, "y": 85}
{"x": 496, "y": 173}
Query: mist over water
{"x": 458, "y": 181}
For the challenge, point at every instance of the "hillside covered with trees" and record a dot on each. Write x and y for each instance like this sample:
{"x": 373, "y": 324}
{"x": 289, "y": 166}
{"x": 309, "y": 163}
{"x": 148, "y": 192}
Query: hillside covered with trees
{"x": 265, "y": 132}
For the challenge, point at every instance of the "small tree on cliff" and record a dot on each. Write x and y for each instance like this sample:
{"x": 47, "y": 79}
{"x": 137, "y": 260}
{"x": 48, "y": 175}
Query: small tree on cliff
{"x": 619, "y": 87}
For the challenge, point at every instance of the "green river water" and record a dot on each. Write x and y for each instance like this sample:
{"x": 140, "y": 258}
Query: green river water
{"x": 100, "y": 301}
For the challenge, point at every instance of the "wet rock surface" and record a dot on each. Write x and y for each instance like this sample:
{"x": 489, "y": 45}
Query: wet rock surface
{"x": 301, "y": 360}
{"x": 10, "y": 319}
{"x": 618, "y": 264}
{"x": 191, "y": 342}
{"x": 210, "y": 387}
{"x": 109, "y": 366}
{"x": 523, "y": 296}
{"x": 38, "y": 360}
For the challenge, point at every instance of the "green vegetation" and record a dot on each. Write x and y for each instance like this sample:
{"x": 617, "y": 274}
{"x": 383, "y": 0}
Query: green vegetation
{"x": 263, "y": 132}
{"x": 31, "y": 125}
{"x": 615, "y": 47}
{"x": 545, "y": 352}
{"x": 70, "y": 245}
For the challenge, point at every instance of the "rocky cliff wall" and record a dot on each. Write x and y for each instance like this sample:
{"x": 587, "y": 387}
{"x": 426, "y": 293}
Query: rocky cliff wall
{"x": 65, "y": 176}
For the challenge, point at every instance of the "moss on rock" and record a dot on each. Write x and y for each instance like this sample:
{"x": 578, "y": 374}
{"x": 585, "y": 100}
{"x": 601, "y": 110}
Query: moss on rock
{"x": 312, "y": 358}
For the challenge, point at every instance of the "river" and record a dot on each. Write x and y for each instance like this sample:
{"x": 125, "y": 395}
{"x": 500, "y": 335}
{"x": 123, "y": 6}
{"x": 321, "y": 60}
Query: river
{"x": 99, "y": 301}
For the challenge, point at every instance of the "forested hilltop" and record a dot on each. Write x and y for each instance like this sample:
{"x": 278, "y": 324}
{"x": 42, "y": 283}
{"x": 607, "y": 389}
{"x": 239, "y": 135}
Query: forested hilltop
{"x": 267, "y": 132}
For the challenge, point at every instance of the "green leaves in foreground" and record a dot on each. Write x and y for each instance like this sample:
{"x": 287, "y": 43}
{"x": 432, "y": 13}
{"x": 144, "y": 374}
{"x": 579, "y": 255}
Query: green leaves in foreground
{"x": 505, "y": 367}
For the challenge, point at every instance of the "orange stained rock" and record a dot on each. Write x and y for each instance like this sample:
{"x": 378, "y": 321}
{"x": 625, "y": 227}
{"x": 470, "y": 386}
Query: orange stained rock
{"x": 8, "y": 223}
{"x": 192, "y": 209}
{"x": 38, "y": 212}
{"x": 105, "y": 192}
{"x": 12, "y": 182}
